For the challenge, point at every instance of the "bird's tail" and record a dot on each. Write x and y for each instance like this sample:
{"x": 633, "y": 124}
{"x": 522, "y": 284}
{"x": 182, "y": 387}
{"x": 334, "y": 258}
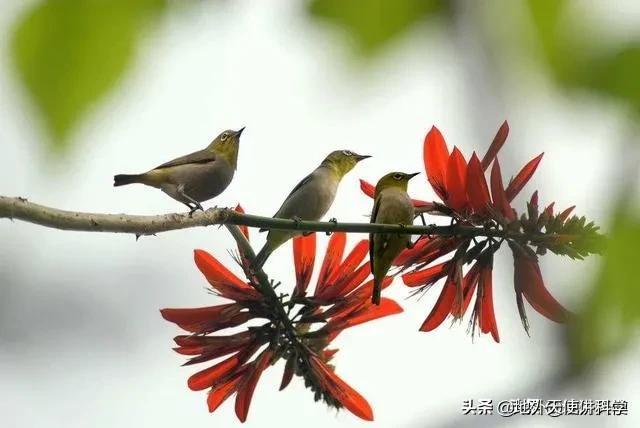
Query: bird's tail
{"x": 123, "y": 179}
{"x": 377, "y": 290}
{"x": 262, "y": 256}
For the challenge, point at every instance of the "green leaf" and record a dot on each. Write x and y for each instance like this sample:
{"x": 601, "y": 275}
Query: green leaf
{"x": 615, "y": 74}
{"x": 70, "y": 53}
{"x": 611, "y": 316}
{"x": 371, "y": 24}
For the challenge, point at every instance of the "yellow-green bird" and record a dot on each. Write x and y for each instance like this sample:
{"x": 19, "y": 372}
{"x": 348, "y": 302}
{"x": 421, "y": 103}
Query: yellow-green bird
{"x": 311, "y": 198}
{"x": 196, "y": 177}
{"x": 392, "y": 206}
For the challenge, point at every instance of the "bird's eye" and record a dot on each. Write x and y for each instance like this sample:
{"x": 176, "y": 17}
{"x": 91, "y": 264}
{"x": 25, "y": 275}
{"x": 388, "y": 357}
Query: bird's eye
{"x": 397, "y": 176}
{"x": 224, "y": 136}
{"x": 347, "y": 153}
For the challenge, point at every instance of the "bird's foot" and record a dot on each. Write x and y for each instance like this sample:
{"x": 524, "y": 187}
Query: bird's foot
{"x": 335, "y": 222}
{"x": 410, "y": 245}
{"x": 194, "y": 209}
{"x": 403, "y": 227}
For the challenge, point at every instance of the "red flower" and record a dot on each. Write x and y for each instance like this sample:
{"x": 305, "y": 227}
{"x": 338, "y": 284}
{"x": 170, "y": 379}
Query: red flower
{"x": 340, "y": 300}
{"x": 472, "y": 201}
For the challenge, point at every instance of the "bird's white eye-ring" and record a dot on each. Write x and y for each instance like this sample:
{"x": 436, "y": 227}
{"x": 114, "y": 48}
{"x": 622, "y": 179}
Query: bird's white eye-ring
{"x": 347, "y": 153}
{"x": 224, "y": 136}
{"x": 397, "y": 176}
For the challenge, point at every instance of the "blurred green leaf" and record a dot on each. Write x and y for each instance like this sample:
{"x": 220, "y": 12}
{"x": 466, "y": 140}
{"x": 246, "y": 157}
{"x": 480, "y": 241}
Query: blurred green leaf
{"x": 616, "y": 74}
{"x": 70, "y": 53}
{"x": 373, "y": 23}
{"x": 611, "y": 316}
{"x": 578, "y": 59}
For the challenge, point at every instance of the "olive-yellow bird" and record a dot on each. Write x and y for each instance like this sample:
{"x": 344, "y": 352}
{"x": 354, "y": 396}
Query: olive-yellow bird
{"x": 392, "y": 206}
{"x": 311, "y": 198}
{"x": 196, "y": 177}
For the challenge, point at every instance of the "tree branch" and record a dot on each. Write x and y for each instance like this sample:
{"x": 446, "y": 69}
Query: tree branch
{"x": 22, "y": 209}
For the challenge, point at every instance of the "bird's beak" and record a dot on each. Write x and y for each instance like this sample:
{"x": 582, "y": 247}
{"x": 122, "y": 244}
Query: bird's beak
{"x": 239, "y": 132}
{"x": 412, "y": 175}
{"x": 361, "y": 157}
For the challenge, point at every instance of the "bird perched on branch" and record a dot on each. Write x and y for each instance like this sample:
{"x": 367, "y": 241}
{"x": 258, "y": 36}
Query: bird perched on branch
{"x": 196, "y": 177}
{"x": 392, "y": 206}
{"x": 311, "y": 198}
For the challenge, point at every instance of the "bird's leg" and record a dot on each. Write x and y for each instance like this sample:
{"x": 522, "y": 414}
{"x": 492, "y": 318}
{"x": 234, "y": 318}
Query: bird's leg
{"x": 196, "y": 204}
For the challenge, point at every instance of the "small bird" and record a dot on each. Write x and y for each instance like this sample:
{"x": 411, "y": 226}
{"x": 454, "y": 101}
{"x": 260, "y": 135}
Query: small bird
{"x": 311, "y": 198}
{"x": 392, "y": 206}
{"x": 196, "y": 177}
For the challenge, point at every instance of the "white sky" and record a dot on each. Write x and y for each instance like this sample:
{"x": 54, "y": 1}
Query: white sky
{"x": 83, "y": 342}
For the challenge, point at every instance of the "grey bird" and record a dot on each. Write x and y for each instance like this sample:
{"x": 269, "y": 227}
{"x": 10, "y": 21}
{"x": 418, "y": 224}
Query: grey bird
{"x": 311, "y": 198}
{"x": 196, "y": 177}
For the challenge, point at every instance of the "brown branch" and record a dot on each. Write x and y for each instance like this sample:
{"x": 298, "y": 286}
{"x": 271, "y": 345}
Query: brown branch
{"x": 24, "y": 210}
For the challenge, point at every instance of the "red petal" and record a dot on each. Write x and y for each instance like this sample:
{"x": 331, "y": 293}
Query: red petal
{"x": 469, "y": 283}
{"x": 340, "y": 391}
{"x": 332, "y": 258}
{"x": 200, "y": 315}
{"x": 442, "y": 307}
{"x": 248, "y": 385}
{"x": 477, "y": 189}
{"x": 354, "y": 300}
{"x": 565, "y": 214}
{"x": 534, "y": 199}
{"x": 549, "y": 210}
{"x": 410, "y": 255}
{"x": 488, "y": 317}
{"x": 365, "y": 314}
{"x": 436, "y": 156}
{"x": 500, "y": 201}
{"x": 288, "y": 373}
{"x": 208, "y": 377}
{"x": 456, "y": 181}
{"x": 528, "y": 278}
{"x": 496, "y": 145}
{"x": 207, "y": 319}
{"x": 346, "y": 284}
{"x": 213, "y": 341}
{"x": 329, "y": 353}
{"x": 426, "y": 250}
{"x": 244, "y": 229}
{"x": 426, "y": 276}
{"x": 221, "y": 392}
{"x": 368, "y": 188}
{"x": 516, "y": 185}
{"x": 351, "y": 262}
{"x": 304, "y": 256}
{"x": 221, "y": 278}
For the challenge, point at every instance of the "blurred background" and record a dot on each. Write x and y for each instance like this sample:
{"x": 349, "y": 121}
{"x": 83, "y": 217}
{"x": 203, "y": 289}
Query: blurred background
{"x": 92, "y": 88}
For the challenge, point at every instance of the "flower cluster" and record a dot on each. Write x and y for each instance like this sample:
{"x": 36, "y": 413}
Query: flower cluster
{"x": 298, "y": 328}
{"x": 482, "y": 218}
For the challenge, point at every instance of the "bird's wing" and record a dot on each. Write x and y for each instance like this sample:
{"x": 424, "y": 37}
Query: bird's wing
{"x": 374, "y": 214}
{"x": 299, "y": 186}
{"x": 201, "y": 156}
